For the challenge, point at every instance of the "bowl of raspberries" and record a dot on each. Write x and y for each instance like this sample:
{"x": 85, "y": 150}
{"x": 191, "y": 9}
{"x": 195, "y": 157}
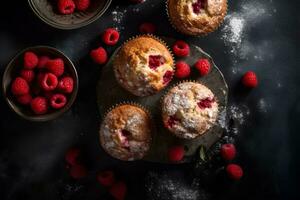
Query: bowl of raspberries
{"x": 40, "y": 83}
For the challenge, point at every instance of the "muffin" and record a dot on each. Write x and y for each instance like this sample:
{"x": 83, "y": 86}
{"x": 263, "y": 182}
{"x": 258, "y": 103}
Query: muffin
{"x": 196, "y": 17}
{"x": 125, "y": 132}
{"x": 189, "y": 110}
{"x": 144, "y": 65}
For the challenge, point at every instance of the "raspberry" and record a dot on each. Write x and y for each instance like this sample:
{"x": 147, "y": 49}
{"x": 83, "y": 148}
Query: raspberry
{"x": 24, "y": 99}
{"x": 27, "y": 74}
{"x": 200, "y": 4}
{"x": 205, "y": 103}
{"x": 181, "y": 48}
{"x": 228, "y": 151}
{"x": 110, "y": 36}
{"x": 203, "y": 66}
{"x": 49, "y": 82}
{"x": 58, "y": 101}
{"x": 82, "y": 5}
{"x": 19, "y": 87}
{"x": 99, "y": 55}
{"x": 66, "y": 6}
{"x": 171, "y": 121}
{"x": 39, "y": 105}
{"x": 72, "y": 156}
{"x": 234, "y": 171}
{"x": 167, "y": 77}
{"x": 42, "y": 62}
{"x": 66, "y": 85}
{"x": 155, "y": 61}
{"x": 56, "y": 66}
{"x": 146, "y": 28}
{"x": 250, "y": 79}
{"x": 176, "y": 153}
{"x": 183, "y": 70}
{"x": 106, "y": 178}
{"x": 78, "y": 171}
{"x": 118, "y": 190}
{"x": 30, "y": 60}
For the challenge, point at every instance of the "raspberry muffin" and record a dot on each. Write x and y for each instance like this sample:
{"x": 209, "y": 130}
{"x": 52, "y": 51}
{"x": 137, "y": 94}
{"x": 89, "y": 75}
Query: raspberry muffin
{"x": 125, "y": 132}
{"x": 189, "y": 109}
{"x": 144, "y": 66}
{"x": 196, "y": 17}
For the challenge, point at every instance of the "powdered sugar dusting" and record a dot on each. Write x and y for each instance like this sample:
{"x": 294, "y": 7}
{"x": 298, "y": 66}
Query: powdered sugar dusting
{"x": 118, "y": 15}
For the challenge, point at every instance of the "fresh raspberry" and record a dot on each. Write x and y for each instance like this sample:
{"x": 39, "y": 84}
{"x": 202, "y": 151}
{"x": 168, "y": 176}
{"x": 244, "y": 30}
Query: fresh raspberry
{"x": 19, "y": 86}
{"x": 118, "y": 190}
{"x": 66, "y": 6}
{"x": 39, "y": 105}
{"x": 56, "y": 66}
{"x": 206, "y": 103}
{"x": 203, "y": 66}
{"x": 99, "y": 55}
{"x": 228, "y": 151}
{"x": 147, "y": 28}
{"x": 106, "y": 178}
{"x": 72, "y": 155}
{"x": 42, "y": 62}
{"x": 58, "y": 101}
{"x": 167, "y": 77}
{"x": 49, "y": 82}
{"x": 24, "y": 99}
{"x": 250, "y": 79}
{"x": 27, "y": 74}
{"x": 30, "y": 60}
{"x": 181, "y": 48}
{"x": 183, "y": 70}
{"x": 176, "y": 153}
{"x": 234, "y": 171}
{"x": 155, "y": 61}
{"x": 171, "y": 121}
{"x": 66, "y": 85}
{"x": 82, "y": 5}
{"x": 78, "y": 171}
{"x": 110, "y": 36}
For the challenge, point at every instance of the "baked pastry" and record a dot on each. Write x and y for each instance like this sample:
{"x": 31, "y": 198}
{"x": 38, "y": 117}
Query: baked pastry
{"x": 189, "y": 109}
{"x": 144, "y": 66}
{"x": 196, "y": 17}
{"x": 125, "y": 132}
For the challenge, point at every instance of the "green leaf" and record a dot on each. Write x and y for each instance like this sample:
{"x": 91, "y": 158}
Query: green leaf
{"x": 202, "y": 153}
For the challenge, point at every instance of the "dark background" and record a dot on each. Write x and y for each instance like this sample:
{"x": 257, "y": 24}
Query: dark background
{"x": 32, "y": 154}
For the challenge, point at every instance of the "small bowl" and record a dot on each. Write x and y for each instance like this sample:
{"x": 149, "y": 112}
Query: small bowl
{"x": 46, "y": 10}
{"x": 13, "y": 68}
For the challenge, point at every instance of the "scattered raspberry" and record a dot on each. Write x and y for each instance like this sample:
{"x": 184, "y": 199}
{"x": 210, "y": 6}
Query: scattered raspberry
{"x": 167, "y": 77}
{"x": 176, "y": 153}
{"x": 82, "y": 5}
{"x": 19, "y": 87}
{"x": 66, "y": 6}
{"x": 203, "y": 66}
{"x": 155, "y": 61}
{"x": 110, "y": 36}
{"x": 27, "y": 74}
{"x": 234, "y": 171}
{"x": 181, "y": 48}
{"x": 24, "y": 99}
{"x": 30, "y": 60}
{"x": 228, "y": 151}
{"x": 206, "y": 103}
{"x": 39, "y": 105}
{"x": 250, "y": 79}
{"x": 72, "y": 156}
{"x": 78, "y": 171}
{"x": 49, "y": 82}
{"x": 42, "y": 62}
{"x": 118, "y": 190}
{"x": 183, "y": 70}
{"x": 66, "y": 85}
{"x": 99, "y": 55}
{"x": 147, "y": 28}
{"x": 58, "y": 101}
{"x": 56, "y": 66}
{"x": 106, "y": 178}
{"x": 171, "y": 121}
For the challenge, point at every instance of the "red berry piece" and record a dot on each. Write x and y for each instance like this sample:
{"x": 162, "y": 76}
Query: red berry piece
{"x": 147, "y": 28}
{"x": 66, "y": 85}
{"x": 56, "y": 66}
{"x": 172, "y": 121}
{"x": 118, "y": 190}
{"x": 78, "y": 171}
{"x": 181, "y": 48}
{"x": 110, "y": 36}
{"x": 176, "y": 153}
{"x": 39, "y": 105}
{"x": 228, "y": 151}
{"x": 30, "y": 60}
{"x": 203, "y": 66}
{"x": 234, "y": 171}
{"x": 27, "y": 74}
{"x": 66, "y": 6}
{"x": 198, "y": 5}
{"x": 183, "y": 70}
{"x": 19, "y": 87}
{"x": 167, "y": 77}
{"x": 72, "y": 155}
{"x": 49, "y": 82}
{"x": 106, "y": 178}
{"x": 155, "y": 61}
{"x": 58, "y": 101}
{"x": 82, "y": 5}
{"x": 42, "y": 62}
{"x": 99, "y": 55}
{"x": 206, "y": 103}
{"x": 250, "y": 79}
{"x": 24, "y": 99}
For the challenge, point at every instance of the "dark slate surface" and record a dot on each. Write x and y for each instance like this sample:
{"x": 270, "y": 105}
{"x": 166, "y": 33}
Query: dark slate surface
{"x": 31, "y": 154}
